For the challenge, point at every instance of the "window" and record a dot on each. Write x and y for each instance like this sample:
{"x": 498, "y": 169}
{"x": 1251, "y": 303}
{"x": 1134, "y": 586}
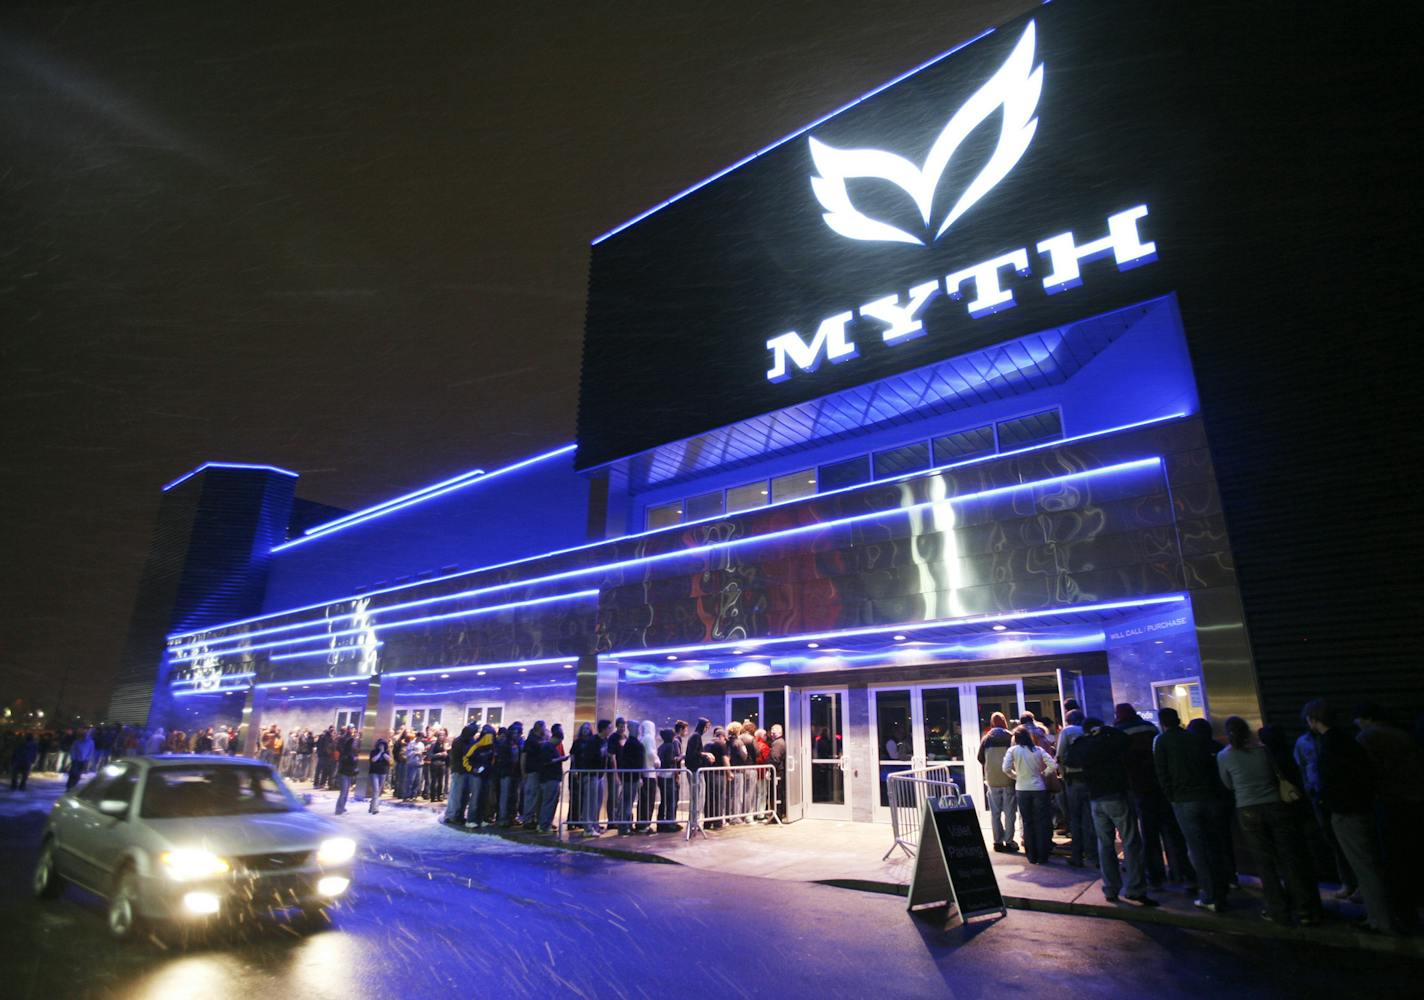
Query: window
{"x": 114, "y": 781}
{"x": 665, "y": 515}
{"x": 217, "y": 790}
{"x": 748, "y": 496}
{"x": 962, "y": 445}
{"x": 351, "y": 718}
{"x": 907, "y": 458}
{"x": 485, "y": 715}
{"x": 793, "y": 486}
{"x": 416, "y": 719}
{"x": 851, "y": 472}
{"x": 1184, "y": 694}
{"x": 745, "y": 708}
{"x": 705, "y": 505}
{"x": 1032, "y": 429}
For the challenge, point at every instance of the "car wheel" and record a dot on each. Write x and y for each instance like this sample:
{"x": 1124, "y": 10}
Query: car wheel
{"x": 123, "y": 907}
{"x": 48, "y": 882}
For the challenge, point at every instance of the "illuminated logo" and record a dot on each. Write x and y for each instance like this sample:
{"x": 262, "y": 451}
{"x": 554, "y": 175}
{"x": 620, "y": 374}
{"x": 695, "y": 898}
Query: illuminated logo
{"x": 900, "y": 313}
{"x": 1014, "y": 88}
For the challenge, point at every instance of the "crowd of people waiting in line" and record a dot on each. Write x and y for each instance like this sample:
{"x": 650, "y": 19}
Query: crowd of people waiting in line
{"x": 1174, "y": 797}
{"x": 82, "y": 750}
{"x": 498, "y": 776}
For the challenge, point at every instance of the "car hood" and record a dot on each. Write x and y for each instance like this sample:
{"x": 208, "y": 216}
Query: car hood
{"x": 238, "y": 835}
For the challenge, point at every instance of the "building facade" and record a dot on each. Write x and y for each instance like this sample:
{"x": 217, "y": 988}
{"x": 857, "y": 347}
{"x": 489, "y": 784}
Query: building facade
{"x": 996, "y": 387}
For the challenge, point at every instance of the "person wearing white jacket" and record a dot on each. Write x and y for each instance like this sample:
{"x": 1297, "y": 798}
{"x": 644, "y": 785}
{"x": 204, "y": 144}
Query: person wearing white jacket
{"x": 1027, "y": 765}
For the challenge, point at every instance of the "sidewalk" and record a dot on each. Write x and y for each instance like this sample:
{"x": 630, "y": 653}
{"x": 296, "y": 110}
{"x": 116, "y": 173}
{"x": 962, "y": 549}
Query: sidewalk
{"x": 848, "y": 855}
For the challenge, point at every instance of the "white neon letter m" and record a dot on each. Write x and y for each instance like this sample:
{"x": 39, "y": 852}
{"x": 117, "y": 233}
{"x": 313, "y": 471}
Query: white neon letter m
{"x": 830, "y": 341}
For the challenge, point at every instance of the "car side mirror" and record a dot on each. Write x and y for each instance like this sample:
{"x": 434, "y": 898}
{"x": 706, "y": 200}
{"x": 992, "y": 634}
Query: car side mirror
{"x": 308, "y": 798}
{"x": 117, "y": 808}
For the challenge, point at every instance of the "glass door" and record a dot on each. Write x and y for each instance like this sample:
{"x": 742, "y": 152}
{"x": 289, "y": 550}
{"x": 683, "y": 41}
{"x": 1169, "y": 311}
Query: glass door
{"x": 915, "y": 726}
{"x": 895, "y": 729}
{"x": 981, "y": 699}
{"x": 824, "y": 739}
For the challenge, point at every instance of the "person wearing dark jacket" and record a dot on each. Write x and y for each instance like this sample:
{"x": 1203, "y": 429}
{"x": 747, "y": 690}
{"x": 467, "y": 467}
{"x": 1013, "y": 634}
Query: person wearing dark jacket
{"x": 1347, "y": 790}
{"x": 347, "y": 767}
{"x": 632, "y": 759}
{"x": 1155, "y": 820}
{"x": 379, "y": 766}
{"x": 437, "y": 759}
{"x": 537, "y": 752}
{"x": 550, "y": 772}
{"x": 667, "y": 782}
{"x": 509, "y": 765}
{"x": 478, "y": 765}
{"x": 695, "y": 758}
{"x": 325, "y": 744}
{"x": 1186, "y": 771}
{"x": 22, "y": 759}
{"x": 1101, "y": 753}
{"x": 589, "y": 752}
{"x": 458, "y": 802}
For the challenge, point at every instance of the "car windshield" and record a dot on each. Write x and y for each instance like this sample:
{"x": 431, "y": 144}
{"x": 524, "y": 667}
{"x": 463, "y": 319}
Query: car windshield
{"x": 213, "y": 790}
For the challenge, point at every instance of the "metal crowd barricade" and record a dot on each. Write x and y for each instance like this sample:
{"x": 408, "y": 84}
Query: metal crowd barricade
{"x": 742, "y": 794}
{"x": 909, "y": 790}
{"x": 655, "y": 800}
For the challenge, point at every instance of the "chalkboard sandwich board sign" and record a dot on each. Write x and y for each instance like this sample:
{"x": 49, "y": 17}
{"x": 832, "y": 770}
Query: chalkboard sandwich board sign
{"x": 952, "y": 868}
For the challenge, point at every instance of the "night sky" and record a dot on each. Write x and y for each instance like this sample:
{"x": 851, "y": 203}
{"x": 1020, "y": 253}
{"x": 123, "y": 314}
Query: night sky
{"x": 347, "y": 239}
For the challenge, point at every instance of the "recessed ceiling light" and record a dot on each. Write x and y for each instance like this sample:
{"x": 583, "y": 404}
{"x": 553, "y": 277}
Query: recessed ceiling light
{"x": 763, "y": 492}
{"x": 810, "y": 482}
{"x": 1159, "y": 641}
{"x": 813, "y": 645}
{"x": 305, "y": 686}
{"x": 899, "y": 638}
{"x": 443, "y": 676}
{"x": 738, "y": 652}
{"x": 479, "y": 673}
{"x": 672, "y": 657}
{"x": 525, "y": 670}
{"x": 568, "y": 666}
{"x": 1000, "y": 628}
{"x": 411, "y": 678}
{"x": 284, "y": 689}
{"x": 1166, "y": 650}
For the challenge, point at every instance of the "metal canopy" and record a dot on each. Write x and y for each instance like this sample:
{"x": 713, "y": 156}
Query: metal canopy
{"x": 1013, "y": 368}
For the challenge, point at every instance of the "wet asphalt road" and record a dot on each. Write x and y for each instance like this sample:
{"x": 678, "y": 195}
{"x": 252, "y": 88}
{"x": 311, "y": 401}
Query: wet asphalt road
{"x": 438, "y": 910}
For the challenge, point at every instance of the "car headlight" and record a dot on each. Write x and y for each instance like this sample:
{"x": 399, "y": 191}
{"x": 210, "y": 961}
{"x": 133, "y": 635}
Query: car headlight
{"x": 335, "y": 851}
{"x": 191, "y": 863}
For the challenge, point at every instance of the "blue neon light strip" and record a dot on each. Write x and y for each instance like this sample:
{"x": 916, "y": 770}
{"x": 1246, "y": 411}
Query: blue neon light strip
{"x": 320, "y": 636}
{"x": 887, "y": 657}
{"x": 309, "y": 681}
{"x": 216, "y": 690}
{"x": 657, "y": 557}
{"x": 462, "y": 478}
{"x": 466, "y": 668}
{"x": 338, "y": 651}
{"x": 181, "y": 651}
{"x": 653, "y": 531}
{"x": 787, "y": 138}
{"x": 419, "y": 496}
{"x": 225, "y": 677}
{"x": 750, "y": 645}
{"x": 227, "y": 465}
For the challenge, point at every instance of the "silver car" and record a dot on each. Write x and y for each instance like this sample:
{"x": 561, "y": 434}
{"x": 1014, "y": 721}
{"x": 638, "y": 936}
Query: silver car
{"x": 191, "y": 838}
